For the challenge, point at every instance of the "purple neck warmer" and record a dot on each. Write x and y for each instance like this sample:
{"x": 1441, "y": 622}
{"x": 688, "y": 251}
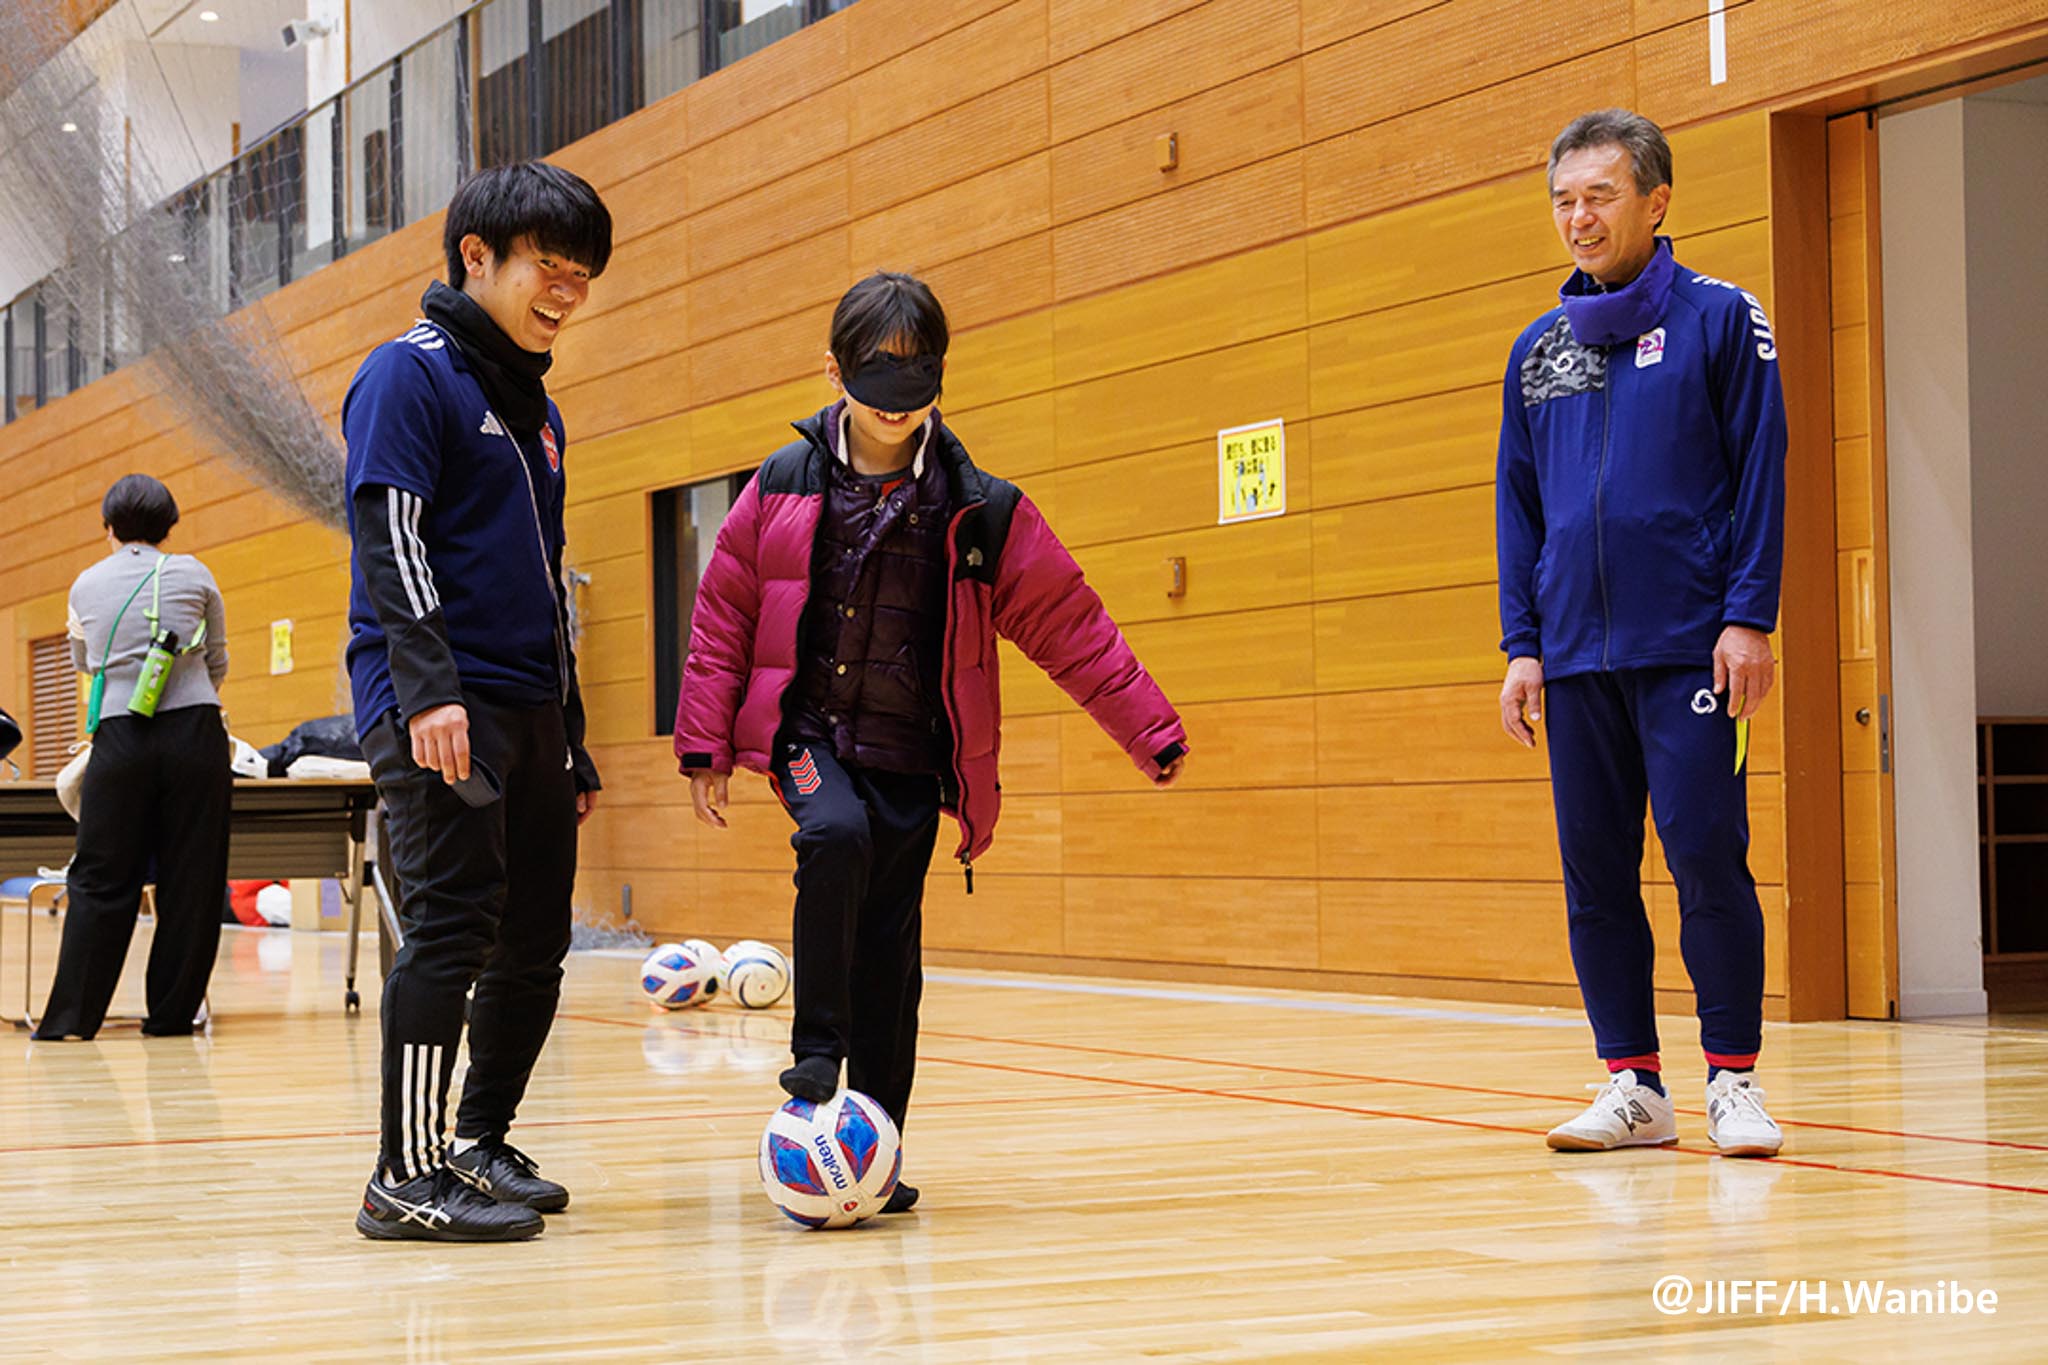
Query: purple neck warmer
{"x": 1604, "y": 317}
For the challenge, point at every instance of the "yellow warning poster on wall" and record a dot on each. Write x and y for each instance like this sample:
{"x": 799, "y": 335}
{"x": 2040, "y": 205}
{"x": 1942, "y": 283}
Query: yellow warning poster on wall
{"x": 280, "y": 647}
{"x": 1251, "y": 472}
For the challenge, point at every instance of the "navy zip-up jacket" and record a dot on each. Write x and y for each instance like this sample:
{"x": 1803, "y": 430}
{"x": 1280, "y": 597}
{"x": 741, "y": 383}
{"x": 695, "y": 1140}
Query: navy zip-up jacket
{"x": 1640, "y": 491}
{"x": 456, "y": 575}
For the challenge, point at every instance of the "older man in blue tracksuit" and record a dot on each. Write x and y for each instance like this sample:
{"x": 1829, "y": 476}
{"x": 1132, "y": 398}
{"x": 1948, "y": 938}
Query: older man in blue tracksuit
{"x": 1640, "y": 505}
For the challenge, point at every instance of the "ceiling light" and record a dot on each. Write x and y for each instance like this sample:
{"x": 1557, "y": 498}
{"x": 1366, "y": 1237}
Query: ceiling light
{"x": 177, "y": 258}
{"x": 67, "y": 126}
{"x": 207, "y": 16}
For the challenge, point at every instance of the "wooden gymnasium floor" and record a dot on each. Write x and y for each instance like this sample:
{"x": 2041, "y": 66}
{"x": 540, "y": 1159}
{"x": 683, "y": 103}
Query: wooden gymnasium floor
{"x": 1111, "y": 1171}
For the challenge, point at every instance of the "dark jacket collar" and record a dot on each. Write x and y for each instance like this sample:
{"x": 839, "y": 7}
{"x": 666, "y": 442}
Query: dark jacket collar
{"x": 1604, "y": 317}
{"x": 964, "y": 482}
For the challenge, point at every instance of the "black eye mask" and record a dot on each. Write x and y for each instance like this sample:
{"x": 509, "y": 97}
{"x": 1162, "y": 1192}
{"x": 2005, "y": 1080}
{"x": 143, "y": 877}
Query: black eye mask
{"x": 897, "y": 383}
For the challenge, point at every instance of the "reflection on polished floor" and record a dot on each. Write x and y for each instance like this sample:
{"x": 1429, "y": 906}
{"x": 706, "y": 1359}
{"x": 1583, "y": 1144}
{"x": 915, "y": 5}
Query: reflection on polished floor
{"x": 1110, "y": 1171}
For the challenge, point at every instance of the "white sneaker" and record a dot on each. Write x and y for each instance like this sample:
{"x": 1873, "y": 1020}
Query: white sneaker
{"x": 1737, "y": 1122}
{"x": 1623, "y": 1114}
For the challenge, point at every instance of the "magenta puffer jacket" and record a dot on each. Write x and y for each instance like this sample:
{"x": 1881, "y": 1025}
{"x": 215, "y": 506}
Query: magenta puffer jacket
{"x": 1010, "y": 575}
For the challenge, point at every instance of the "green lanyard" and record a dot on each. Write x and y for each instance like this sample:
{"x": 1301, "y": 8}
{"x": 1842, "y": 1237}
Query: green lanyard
{"x": 96, "y": 698}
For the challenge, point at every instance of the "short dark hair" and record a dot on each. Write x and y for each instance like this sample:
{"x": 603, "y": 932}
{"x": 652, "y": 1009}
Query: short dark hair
{"x": 555, "y": 208}
{"x": 887, "y": 307}
{"x": 138, "y": 507}
{"x": 1649, "y": 154}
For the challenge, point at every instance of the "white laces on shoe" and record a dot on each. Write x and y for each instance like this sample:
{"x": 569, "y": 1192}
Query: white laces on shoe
{"x": 1747, "y": 1099}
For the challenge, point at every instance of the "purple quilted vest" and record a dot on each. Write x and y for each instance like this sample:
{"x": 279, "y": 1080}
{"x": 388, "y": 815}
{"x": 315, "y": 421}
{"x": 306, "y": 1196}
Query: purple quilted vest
{"x": 874, "y": 629}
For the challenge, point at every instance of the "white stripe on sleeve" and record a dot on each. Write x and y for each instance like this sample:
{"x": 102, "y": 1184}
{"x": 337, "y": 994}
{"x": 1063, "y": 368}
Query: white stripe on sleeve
{"x": 394, "y": 504}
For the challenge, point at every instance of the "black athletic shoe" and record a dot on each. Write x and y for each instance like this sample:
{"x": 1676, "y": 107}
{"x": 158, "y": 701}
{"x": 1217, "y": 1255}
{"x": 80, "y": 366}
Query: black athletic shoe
{"x": 902, "y": 1199}
{"x": 814, "y": 1078}
{"x": 436, "y": 1207}
{"x": 509, "y": 1176}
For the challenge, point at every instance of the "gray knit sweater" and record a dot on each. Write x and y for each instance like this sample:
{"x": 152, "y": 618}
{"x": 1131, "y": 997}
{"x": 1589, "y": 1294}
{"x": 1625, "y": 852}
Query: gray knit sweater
{"x": 188, "y": 596}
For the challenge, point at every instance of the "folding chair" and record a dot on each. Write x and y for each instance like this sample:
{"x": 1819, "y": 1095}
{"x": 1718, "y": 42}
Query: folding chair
{"x": 52, "y": 893}
{"x": 48, "y": 892}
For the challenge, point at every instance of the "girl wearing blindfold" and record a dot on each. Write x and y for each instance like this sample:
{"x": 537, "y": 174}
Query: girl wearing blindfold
{"x": 844, "y": 643}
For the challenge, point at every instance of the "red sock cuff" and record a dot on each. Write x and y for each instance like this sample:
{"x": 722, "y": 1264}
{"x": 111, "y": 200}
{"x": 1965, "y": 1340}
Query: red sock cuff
{"x": 1729, "y": 1061}
{"x": 1647, "y": 1062}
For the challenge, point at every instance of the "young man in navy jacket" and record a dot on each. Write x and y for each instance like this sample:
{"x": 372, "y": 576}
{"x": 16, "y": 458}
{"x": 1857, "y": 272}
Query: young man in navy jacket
{"x": 1640, "y": 506}
{"x": 465, "y": 693}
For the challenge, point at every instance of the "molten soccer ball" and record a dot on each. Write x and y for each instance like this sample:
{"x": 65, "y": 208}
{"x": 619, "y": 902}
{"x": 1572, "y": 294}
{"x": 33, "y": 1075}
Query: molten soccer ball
{"x": 676, "y": 978}
{"x": 707, "y": 951}
{"x": 830, "y": 1165}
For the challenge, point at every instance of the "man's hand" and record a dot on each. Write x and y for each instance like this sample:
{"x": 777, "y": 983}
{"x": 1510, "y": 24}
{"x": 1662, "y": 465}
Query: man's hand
{"x": 440, "y": 741}
{"x": 708, "y": 791}
{"x": 1170, "y": 774}
{"x": 1521, "y": 700}
{"x": 1743, "y": 665}
{"x": 586, "y": 802}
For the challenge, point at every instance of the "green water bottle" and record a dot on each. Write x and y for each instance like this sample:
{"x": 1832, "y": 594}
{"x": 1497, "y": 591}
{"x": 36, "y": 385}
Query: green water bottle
{"x": 156, "y": 671}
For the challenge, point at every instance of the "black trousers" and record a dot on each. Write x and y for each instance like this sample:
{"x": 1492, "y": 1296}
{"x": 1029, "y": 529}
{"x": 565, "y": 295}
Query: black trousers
{"x": 154, "y": 807}
{"x": 484, "y": 897}
{"x": 863, "y": 844}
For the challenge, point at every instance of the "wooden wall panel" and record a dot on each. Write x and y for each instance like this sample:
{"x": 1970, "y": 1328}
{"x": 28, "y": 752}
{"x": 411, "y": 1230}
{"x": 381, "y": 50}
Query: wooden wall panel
{"x": 977, "y": 135}
{"x": 1414, "y": 639}
{"x": 1078, "y": 25}
{"x": 1246, "y": 121}
{"x": 1420, "y": 445}
{"x": 1420, "y": 734}
{"x": 1499, "y": 931}
{"x": 1247, "y": 297}
{"x": 1230, "y": 569}
{"x": 984, "y": 55}
{"x": 1432, "y": 540}
{"x": 1158, "y": 64}
{"x": 1461, "y": 141}
{"x": 787, "y": 209}
{"x": 1190, "y": 834}
{"x": 1183, "y": 401}
{"x": 1779, "y": 50}
{"x": 1355, "y": 233}
{"x": 1438, "y": 831}
{"x": 1197, "y": 222}
{"x": 1325, "y": 22}
{"x": 1219, "y": 921}
{"x": 769, "y": 286}
{"x": 969, "y": 215}
{"x": 1445, "y": 50}
{"x": 998, "y": 283}
{"x": 799, "y": 67}
{"x": 772, "y": 149}
{"x": 1262, "y": 743}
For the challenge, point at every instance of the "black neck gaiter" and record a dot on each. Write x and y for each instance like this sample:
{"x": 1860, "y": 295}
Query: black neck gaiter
{"x": 510, "y": 374}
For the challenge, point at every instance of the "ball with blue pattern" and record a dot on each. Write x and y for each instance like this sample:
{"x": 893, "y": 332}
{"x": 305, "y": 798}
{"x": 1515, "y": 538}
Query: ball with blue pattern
{"x": 676, "y": 977}
{"x": 830, "y": 1165}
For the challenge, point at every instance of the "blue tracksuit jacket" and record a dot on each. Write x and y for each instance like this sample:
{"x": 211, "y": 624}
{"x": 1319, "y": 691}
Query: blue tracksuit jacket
{"x": 1640, "y": 490}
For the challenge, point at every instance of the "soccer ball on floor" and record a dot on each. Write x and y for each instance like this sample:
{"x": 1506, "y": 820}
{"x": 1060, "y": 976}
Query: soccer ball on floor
{"x": 707, "y": 951}
{"x": 676, "y": 977}
{"x": 830, "y": 1165}
{"x": 756, "y": 973}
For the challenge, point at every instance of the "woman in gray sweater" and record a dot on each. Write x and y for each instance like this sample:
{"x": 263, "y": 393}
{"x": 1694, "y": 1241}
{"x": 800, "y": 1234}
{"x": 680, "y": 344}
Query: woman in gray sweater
{"x": 154, "y": 806}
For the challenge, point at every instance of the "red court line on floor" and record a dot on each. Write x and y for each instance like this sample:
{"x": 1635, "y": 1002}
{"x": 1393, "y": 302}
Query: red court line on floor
{"x": 1462, "y": 1089}
{"x": 236, "y": 1139}
{"x": 1246, "y": 1093}
{"x": 1441, "y": 1120}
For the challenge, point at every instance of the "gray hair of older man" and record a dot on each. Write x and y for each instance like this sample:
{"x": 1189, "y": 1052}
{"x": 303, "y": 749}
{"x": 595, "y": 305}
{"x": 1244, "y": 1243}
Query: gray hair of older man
{"x": 1649, "y": 154}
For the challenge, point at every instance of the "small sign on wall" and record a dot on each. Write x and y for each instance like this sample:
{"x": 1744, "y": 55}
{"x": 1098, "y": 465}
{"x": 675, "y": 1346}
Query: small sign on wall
{"x": 280, "y": 647}
{"x": 1251, "y": 472}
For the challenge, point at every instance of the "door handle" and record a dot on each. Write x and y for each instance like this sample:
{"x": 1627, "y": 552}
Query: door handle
{"x": 1884, "y": 732}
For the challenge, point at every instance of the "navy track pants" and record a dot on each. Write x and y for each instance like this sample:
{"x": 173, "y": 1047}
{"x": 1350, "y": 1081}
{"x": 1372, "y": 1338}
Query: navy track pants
{"x": 1661, "y": 735}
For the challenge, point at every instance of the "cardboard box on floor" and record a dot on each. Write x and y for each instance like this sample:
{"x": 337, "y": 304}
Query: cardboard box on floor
{"x": 316, "y": 904}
